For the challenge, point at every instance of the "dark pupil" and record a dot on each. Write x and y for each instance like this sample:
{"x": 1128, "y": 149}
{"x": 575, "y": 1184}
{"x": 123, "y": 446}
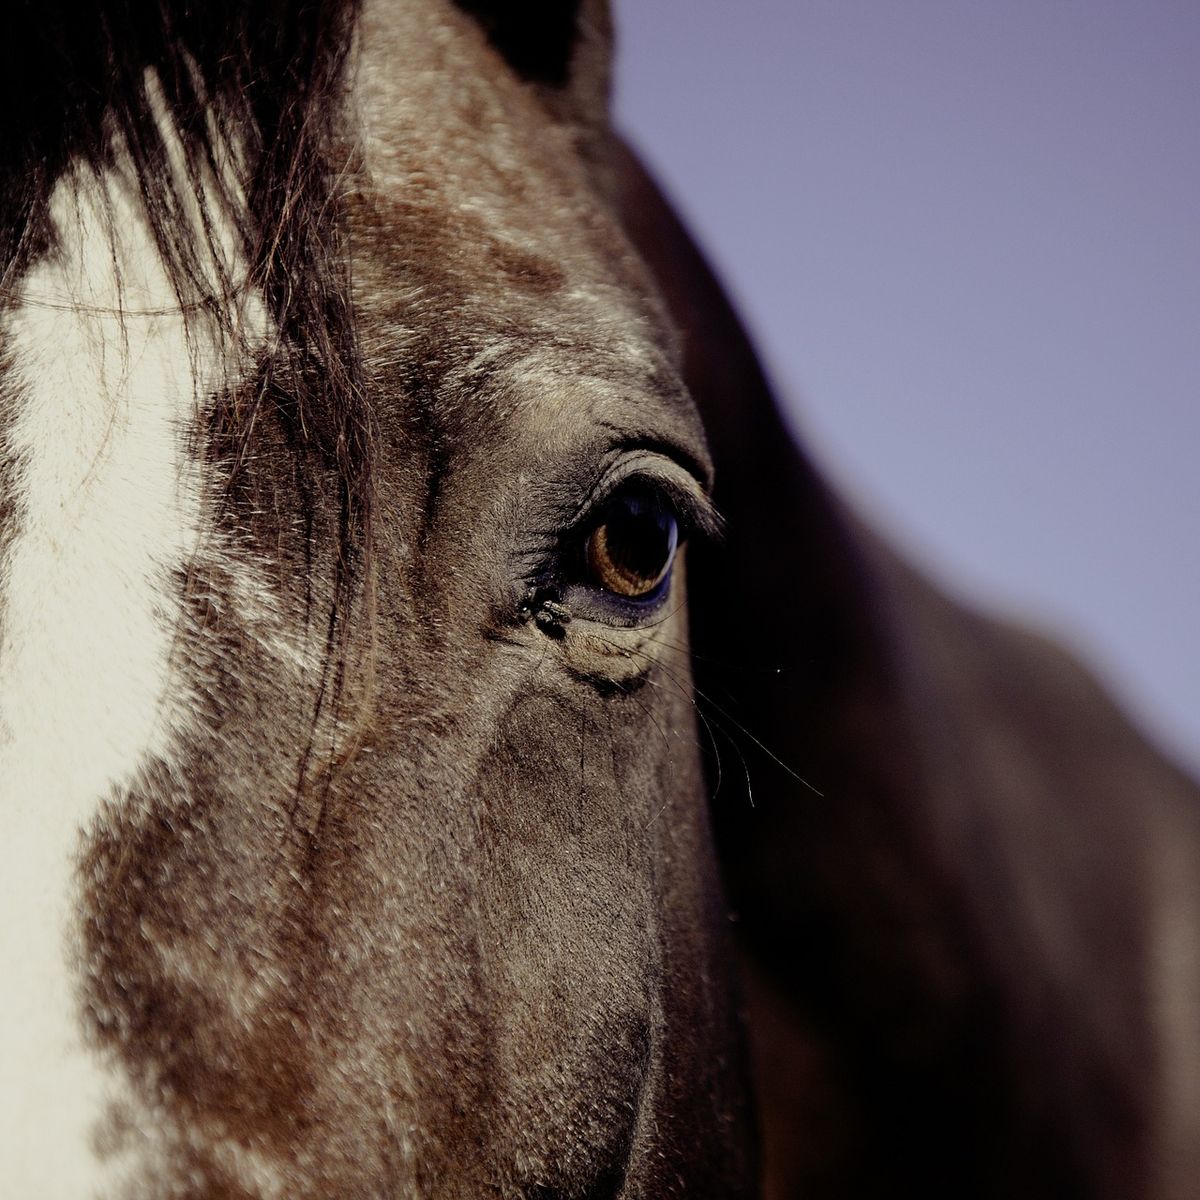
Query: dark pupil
{"x": 640, "y": 538}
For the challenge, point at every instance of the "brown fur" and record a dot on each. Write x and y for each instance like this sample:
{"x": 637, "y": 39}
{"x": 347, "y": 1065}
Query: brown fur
{"x": 425, "y": 900}
{"x": 486, "y": 955}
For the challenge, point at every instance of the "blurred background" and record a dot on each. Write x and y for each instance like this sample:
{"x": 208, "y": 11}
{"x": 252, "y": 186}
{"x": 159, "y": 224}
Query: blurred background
{"x": 966, "y": 236}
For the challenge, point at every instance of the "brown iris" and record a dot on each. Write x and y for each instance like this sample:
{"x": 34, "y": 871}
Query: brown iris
{"x": 631, "y": 551}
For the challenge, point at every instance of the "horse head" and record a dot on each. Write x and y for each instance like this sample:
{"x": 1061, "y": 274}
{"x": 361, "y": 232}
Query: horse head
{"x": 369, "y": 646}
{"x": 365, "y": 727}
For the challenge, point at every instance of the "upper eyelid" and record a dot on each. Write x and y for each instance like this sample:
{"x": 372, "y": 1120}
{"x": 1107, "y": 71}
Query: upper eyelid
{"x": 666, "y": 474}
{"x": 565, "y": 519}
{"x": 670, "y": 449}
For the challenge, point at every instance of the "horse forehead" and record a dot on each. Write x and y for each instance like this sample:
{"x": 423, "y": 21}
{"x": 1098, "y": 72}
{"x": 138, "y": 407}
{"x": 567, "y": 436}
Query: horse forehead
{"x": 482, "y": 256}
{"x": 426, "y": 87}
{"x": 443, "y": 124}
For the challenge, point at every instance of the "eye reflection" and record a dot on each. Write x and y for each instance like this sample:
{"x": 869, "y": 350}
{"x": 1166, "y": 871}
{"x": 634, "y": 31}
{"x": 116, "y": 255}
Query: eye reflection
{"x": 630, "y": 552}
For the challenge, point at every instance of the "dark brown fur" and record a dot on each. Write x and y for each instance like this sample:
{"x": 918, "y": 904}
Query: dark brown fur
{"x": 950, "y": 955}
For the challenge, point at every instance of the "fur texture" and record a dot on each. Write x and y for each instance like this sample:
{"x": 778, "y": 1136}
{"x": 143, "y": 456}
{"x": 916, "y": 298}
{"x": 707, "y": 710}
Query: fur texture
{"x": 358, "y": 842}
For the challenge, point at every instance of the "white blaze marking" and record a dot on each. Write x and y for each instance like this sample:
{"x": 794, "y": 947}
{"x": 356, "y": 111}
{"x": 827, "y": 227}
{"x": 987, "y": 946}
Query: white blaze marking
{"x": 108, "y": 509}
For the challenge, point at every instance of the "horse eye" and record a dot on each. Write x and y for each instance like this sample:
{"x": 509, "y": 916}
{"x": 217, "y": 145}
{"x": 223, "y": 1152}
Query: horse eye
{"x": 630, "y": 552}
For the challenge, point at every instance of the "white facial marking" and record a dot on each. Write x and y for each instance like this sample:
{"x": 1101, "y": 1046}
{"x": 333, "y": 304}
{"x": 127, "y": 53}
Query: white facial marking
{"x": 108, "y": 511}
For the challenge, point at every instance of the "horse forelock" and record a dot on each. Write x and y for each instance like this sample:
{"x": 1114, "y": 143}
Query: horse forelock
{"x": 168, "y": 208}
{"x": 224, "y": 120}
{"x": 219, "y": 128}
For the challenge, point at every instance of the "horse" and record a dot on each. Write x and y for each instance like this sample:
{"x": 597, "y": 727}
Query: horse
{"x": 453, "y": 744}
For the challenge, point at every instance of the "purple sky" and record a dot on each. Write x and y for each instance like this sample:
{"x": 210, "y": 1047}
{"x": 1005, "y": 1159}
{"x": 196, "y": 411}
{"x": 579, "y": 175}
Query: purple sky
{"x": 967, "y": 237}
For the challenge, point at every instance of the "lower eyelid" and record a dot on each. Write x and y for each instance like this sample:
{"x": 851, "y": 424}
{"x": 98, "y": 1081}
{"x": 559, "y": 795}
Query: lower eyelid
{"x": 593, "y": 604}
